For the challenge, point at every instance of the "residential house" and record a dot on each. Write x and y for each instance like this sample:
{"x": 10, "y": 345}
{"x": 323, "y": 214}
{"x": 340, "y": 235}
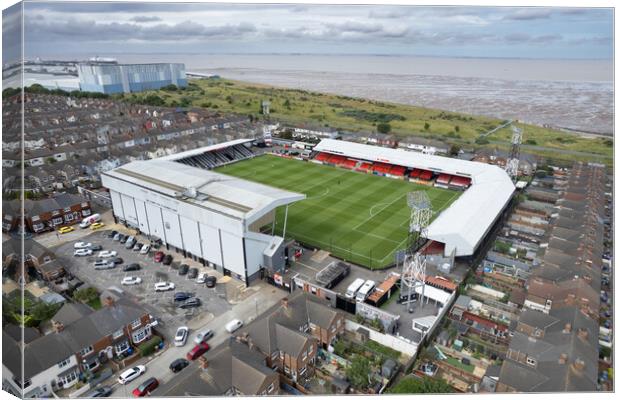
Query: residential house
{"x": 38, "y": 260}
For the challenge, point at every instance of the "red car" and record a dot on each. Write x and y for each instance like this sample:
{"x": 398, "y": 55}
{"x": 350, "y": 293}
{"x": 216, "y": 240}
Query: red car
{"x": 197, "y": 351}
{"x": 146, "y": 387}
{"x": 159, "y": 256}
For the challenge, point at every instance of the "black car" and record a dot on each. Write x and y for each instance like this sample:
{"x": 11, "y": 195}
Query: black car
{"x": 183, "y": 269}
{"x": 167, "y": 259}
{"x": 95, "y": 247}
{"x": 182, "y": 296}
{"x": 192, "y": 273}
{"x": 178, "y": 364}
{"x": 210, "y": 281}
{"x": 137, "y": 246}
{"x": 111, "y": 234}
{"x": 123, "y": 238}
{"x": 190, "y": 303}
{"x": 117, "y": 260}
{"x": 103, "y": 391}
{"x": 132, "y": 267}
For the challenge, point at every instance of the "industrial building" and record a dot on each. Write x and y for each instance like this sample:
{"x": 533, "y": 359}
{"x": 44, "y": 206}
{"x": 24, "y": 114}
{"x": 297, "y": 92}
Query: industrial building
{"x": 213, "y": 218}
{"x": 127, "y": 78}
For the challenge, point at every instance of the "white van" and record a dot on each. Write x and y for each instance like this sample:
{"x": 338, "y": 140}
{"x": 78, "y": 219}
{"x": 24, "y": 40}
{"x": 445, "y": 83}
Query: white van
{"x": 365, "y": 290}
{"x": 87, "y": 221}
{"x": 353, "y": 288}
{"x": 233, "y": 325}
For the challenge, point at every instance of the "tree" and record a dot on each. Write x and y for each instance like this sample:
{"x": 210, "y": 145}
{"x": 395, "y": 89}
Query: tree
{"x": 384, "y": 127}
{"x": 455, "y": 149}
{"x": 457, "y": 129}
{"x": 86, "y": 295}
{"x": 427, "y": 126}
{"x": 358, "y": 371}
{"x": 50, "y": 160}
{"x": 411, "y": 384}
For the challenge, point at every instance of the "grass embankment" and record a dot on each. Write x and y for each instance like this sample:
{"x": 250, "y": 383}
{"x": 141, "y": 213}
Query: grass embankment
{"x": 355, "y": 114}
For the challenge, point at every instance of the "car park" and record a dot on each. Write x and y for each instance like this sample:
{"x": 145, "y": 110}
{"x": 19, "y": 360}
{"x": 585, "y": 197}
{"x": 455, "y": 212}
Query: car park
{"x": 182, "y": 296}
{"x": 197, "y": 351}
{"x": 192, "y": 273}
{"x": 66, "y": 229}
{"x": 145, "y": 248}
{"x": 130, "y": 374}
{"x": 190, "y": 303}
{"x": 103, "y": 391}
{"x": 131, "y": 280}
{"x": 164, "y": 286}
{"x": 167, "y": 259}
{"x": 82, "y": 252}
{"x": 132, "y": 267}
{"x": 183, "y": 269}
{"x": 233, "y": 325}
{"x": 81, "y": 245}
{"x": 107, "y": 253}
{"x": 97, "y": 225}
{"x": 159, "y": 256}
{"x": 210, "y": 281}
{"x": 95, "y": 247}
{"x": 178, "y": 364}
{"x": 202, "y": 277}
{"x": 146, "y": 387}
{"x": 180, "y": 338}
{"x": 203, "y": 336}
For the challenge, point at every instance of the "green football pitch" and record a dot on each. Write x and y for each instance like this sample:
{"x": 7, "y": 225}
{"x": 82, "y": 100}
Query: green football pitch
{"x": 358, "y": 217}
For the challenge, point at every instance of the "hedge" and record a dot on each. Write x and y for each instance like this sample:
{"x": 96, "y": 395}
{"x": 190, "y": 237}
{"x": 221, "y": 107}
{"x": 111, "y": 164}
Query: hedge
{"x": 148, "y": 347}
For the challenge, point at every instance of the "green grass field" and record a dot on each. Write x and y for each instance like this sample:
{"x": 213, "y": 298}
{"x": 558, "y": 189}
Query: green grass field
{"x": 358, "y": 217}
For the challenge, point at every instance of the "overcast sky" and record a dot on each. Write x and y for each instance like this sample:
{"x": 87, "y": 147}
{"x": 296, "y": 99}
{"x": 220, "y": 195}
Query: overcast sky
{"x": 65, "y": 29}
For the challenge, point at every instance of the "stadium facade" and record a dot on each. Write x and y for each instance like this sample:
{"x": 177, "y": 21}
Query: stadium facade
{"x": 127, "y": 78}
{"x": 213, "y": 218}
{"x": 465, "y": 223}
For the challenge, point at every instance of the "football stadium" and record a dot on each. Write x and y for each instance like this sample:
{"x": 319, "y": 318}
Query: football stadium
{"x": 233, "y": 209}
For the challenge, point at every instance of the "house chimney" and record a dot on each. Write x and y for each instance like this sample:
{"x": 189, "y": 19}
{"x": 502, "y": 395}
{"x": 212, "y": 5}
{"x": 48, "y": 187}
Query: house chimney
{"x": 563, "y": 358}
{"x": 567, "y": 328}
{"x": 108, "y": 301}
{"x": 58, "y": 327}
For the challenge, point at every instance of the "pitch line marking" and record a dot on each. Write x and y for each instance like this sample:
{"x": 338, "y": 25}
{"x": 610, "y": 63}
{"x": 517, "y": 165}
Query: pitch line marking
{"x": 371, "y": 216}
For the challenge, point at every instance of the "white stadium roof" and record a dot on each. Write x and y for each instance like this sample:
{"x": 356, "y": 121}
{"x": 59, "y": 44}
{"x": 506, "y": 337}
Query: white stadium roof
{"x": 221, "y": 193}
{"x": 202, "y": 150}
{"x": 465, "y": 223}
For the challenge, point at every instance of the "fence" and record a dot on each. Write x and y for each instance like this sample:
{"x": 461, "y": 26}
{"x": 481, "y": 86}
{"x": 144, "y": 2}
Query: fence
{"x": 390, "y": 341}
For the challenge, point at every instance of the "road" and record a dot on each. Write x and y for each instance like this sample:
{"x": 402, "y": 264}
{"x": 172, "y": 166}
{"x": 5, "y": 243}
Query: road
{"x": 247, "y": 311}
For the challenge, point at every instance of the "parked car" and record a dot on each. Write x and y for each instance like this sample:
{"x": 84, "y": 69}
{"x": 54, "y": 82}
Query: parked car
{"x": 159, "y": 256}
{"x": 117, "y": 260}
{"x": 107, "y": 253}
{"x": 164, "y": 286}
{"x": 103, "y": 391}
{"x": 146, "y": 387}
{"x": 132, "y": 267}
{"x": 203, "y": 336}
{"x": 167, "y": 259}
{"x": 178, "y": 364}
{"x": 123, "y": 239}
{"x": 181, "y": 296}
{"x": 190, "y": 303}
{"x": 131, "y": 280}
{"x": 145, "y": 249}
{"x": 107, "y": 265}
{"x": 82, "y": 245}
{"x": 97, "y": 225}
{"x": 82, "y": 252}
{"x": 192, "y": 273}
{"x": 66, "y": 229}
{"x": 130, "y": 374}
{"x": 183, "y": 269}
{"x": 117, "y": 237}
{"x": 101, "y": 262}
{"x": 233, "y": 325}
{"x": 210, "y": 281}
{"x": 137, "y": 246}
{"x": 197, "y": 351}
{"x": 111, "y": 234}
{"x": 95, "y": 247}
{"x": 130, "y": 242}
{"x": 201, "y": 278}
{"x": 180, "y": 338}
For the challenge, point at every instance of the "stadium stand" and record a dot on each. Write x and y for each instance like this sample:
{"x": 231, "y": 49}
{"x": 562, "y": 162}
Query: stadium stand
{"x": 214, "y": 156}
{"x": 398, "y": 170}
{"x": 426, "y": 175}
{"x": 460, "y": 182}
{"x": 322, "y": 157}
{"x": 443, "y": 179}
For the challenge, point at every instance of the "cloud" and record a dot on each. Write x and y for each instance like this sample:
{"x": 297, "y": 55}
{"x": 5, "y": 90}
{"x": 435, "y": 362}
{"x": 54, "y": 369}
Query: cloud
{"x": 145, "y": 18}
{"x": 528, "y": 14}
